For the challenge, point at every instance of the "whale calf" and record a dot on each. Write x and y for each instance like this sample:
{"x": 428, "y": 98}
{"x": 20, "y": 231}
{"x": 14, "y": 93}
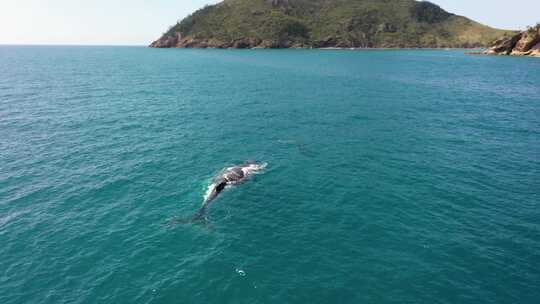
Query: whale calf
{"x": 227, "y": 177}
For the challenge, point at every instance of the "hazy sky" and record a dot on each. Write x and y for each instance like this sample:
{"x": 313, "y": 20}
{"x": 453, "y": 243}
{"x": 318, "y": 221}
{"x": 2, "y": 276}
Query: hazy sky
{"x": 141, "y": 21}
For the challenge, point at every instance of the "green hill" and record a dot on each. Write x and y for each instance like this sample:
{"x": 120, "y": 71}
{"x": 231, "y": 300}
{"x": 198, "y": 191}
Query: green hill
{"x": 326, "y": 23}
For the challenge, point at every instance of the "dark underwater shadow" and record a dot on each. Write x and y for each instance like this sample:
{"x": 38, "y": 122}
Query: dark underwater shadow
{"x": 302, "y": 147}
{"x": 193, "y": 221}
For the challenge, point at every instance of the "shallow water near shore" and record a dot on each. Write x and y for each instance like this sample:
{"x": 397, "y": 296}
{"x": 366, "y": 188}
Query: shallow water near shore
{"x": 393, "y": 176}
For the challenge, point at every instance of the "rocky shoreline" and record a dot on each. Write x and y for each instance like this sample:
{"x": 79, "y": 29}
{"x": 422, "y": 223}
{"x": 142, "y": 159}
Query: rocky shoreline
{"x": 177, "y": 40}
{"x": 526, "y": 43}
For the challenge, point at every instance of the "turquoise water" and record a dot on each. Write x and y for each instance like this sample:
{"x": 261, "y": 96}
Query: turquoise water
{"x": 393, "y": 176}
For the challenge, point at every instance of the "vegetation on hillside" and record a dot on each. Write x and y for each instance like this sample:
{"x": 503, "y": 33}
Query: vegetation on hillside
{"x": 326, "y": 23}
{"x": 535, "y": 28}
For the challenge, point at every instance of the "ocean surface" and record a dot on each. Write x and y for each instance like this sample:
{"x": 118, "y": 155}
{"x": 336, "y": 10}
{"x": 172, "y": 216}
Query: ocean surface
{"x": 393, "y": 176}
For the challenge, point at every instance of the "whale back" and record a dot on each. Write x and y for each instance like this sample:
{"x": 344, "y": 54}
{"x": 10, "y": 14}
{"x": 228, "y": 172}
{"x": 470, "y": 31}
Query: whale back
{"x": 231, "y": 176}
{"x": 234, "y": 174}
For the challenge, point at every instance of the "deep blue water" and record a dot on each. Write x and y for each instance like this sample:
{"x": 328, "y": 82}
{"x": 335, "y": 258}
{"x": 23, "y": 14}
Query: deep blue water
{"x": 393, "y": 176}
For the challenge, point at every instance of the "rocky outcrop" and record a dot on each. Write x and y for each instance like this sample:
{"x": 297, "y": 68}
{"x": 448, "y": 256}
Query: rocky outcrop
{"x": 526, "y": 43}
{"x": 167, "y": 41}
{"x": 535, "y": 50}
{"x": 177, "y": 41}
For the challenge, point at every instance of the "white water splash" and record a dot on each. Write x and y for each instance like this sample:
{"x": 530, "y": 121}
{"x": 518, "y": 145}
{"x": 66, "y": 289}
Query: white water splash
{"x": 240, "y": 272}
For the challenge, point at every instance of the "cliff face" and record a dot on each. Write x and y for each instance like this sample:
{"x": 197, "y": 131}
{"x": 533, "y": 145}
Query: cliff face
{"x": 325, "y": 23}
{"x": 523, "y": 44}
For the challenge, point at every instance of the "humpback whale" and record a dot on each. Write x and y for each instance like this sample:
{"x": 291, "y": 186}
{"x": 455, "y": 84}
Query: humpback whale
{"x": 227, "y": 177}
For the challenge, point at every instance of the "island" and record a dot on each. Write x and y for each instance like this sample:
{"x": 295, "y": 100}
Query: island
{"x": 327, "y": 24}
